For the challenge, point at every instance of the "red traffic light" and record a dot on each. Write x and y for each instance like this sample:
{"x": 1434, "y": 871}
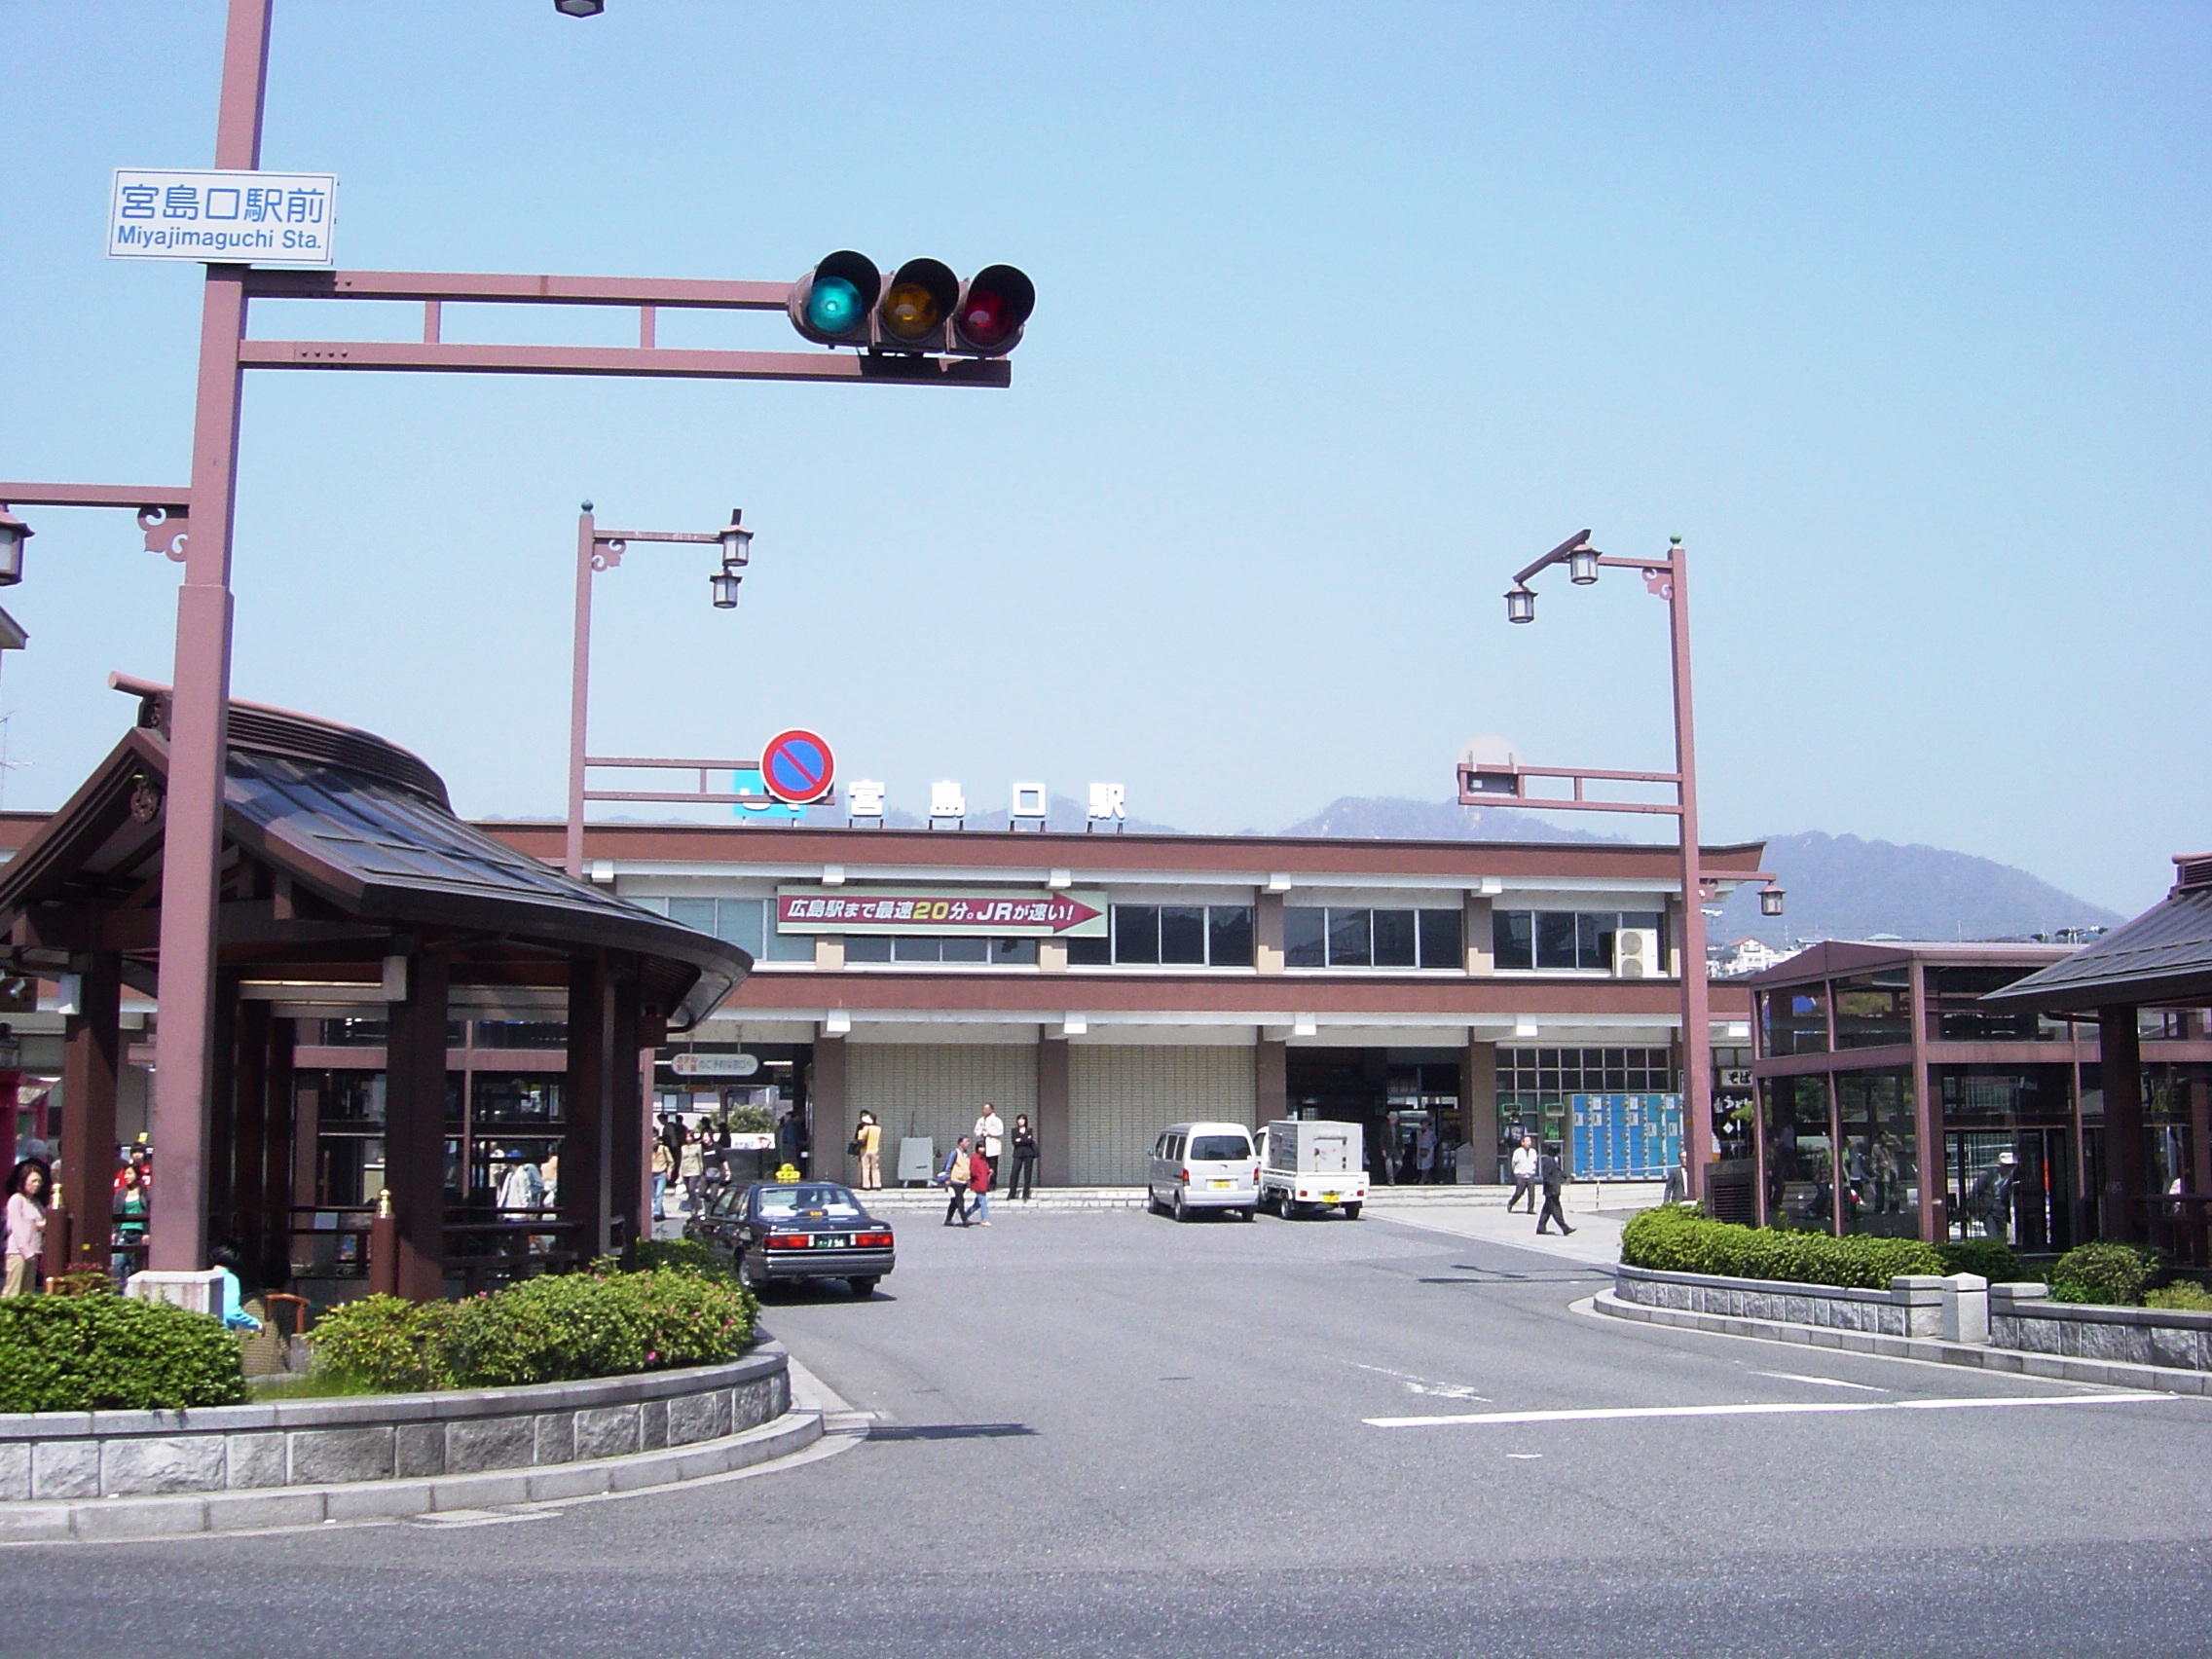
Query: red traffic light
{"x": 920, "y": 296}
{"x": 993, "y": 305}
{"x": 830, "y": 304}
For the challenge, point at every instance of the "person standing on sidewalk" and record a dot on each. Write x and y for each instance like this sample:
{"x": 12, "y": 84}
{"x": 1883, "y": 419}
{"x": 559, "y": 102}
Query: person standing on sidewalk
{"x": 691, "y": 1168}
{"x": 868, "y": 1142}
{"x": 1524, "y": 1174}
{"x": 1024, "y": 1182}
{"x": 958, "y": 1170}
{"x": 25, "y": 1227}
{"x": 1554, "y": 1179}
{"x": 990, "y": 1134}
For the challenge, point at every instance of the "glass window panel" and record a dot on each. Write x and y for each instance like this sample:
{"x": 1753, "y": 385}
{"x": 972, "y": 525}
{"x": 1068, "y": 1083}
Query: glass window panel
{"x": 1396, "y": 942}
{"x": 1013, "y": 952}
{"x": 1513, "y": 939}
{"x": 693, "y": 913}
{"x": 522, "y": 1034}
{"x": 1183, "y": 935}
{"x": 739, "y": 921}
{"x": 915, "y": 949}
{"x": 1350, "y": 944}
{"x": 515, "y": 1099}
{"x": 1800, "y": 1153}
{"x": 788, "y": 946}
{"x": 1874, "y": 1011}
{"x": 1441, "y": 940}
{"x": 1304, "y": 936}
{"x": 1555, "y": 940}
{"x": 1089, "y": 952}
{"x": 867, "y": 948}
{"x": 1794, "y": 1021}
{"x": 1136, "y": 932}
{"x": 1229, "y": 943}
{"x": 1593, "y": 931}
{"x": 964, "y": 950}
{"x": 1881, "y": 1151}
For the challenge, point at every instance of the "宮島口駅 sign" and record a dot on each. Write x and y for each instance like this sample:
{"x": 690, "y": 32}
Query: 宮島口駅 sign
{"x": 223, "y": 218}
{"x": 999, "y": 914}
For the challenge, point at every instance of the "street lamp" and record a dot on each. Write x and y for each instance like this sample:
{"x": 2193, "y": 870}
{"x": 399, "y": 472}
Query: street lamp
{"x": 13, "y": 532}
{"x": 1520, "y": 604}
{"x": 1582, "y": 566}
{"x": 602, "y": 550}
{"x": 1770, "y": 901}
{"x": 579, "y": 8}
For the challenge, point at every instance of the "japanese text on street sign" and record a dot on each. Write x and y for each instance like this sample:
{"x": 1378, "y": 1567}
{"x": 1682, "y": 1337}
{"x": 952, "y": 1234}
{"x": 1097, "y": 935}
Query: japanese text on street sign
{"x": 906, "y": 910}
{"x": 223, "y": 218}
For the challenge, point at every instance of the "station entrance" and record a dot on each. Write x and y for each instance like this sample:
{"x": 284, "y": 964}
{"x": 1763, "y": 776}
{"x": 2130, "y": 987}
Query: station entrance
{"x": 1410, "y": 1103}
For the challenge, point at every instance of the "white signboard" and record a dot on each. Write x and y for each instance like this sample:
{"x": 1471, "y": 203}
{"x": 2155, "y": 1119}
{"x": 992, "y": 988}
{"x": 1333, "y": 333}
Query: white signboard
{"x": 223, "y": 218}
{"x": 688, "y": 1064}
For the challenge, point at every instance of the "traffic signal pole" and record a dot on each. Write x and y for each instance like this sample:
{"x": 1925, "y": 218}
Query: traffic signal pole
{"x": 184, "y": 1038}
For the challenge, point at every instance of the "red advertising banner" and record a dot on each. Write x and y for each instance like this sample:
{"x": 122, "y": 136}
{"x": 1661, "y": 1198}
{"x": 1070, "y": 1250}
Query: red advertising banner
{"x": 1001, "y": 914}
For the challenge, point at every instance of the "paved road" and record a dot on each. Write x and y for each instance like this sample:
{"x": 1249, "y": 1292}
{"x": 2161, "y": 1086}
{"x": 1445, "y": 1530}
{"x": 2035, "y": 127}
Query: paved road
{"x": 1107, "y": 1434}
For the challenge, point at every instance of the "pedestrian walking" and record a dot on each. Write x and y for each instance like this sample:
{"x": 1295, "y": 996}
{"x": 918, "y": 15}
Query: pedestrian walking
{"x": 980, "y": 1185}
{"x": 1424, "y": 1154}
{"x": 868, "y": 1146}
{"x": 959, "y": 1168}
{"x": 1024, "y": 1138}
{"x": 663, "y": 1164}
{"x": 1524, "y": 1174}
{"x": 1554, "y": 1179}
{"x": 25, "y": 1230}
{"x": 692, "y": 1169}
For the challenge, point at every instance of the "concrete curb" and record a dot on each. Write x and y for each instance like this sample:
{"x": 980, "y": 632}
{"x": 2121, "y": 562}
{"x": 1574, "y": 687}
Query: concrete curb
{"x": 2109, "y": 1374}
{"x": 108, "y": 1519}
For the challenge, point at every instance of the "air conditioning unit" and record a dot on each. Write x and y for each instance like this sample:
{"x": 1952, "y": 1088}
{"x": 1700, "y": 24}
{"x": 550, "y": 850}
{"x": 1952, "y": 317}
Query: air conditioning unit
{"x": 1635, "y": 954}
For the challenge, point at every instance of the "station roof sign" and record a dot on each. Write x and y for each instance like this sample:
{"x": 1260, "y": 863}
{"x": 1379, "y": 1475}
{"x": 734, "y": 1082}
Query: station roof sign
{"x": 985, "y": 912}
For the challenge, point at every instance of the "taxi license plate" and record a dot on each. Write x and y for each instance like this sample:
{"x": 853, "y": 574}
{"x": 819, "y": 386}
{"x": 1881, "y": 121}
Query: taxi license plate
{"x": 1221, "y": 1185}
{"x": 830, "y": 1240}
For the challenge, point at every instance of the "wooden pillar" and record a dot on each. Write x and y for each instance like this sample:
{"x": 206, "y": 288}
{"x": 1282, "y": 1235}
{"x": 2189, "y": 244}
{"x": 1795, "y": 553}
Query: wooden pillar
{"x": 1270, "y": 1075}
{"x": 276, "y": 1156}
{"x": 1478, "y": 1110}
{"x": 587, "y": 1148}
{"x": 415, "y": 1128}
{"x": 1054, "y": 1161}
{"x": 630, "y": 1120}
{"x": 240, "y": 1169}
{"x": 2119, "y": 1056}
{"x": 828, "y": 1131}
{"x": 222, "y": 1115}
{"x": 91, "y": 1047}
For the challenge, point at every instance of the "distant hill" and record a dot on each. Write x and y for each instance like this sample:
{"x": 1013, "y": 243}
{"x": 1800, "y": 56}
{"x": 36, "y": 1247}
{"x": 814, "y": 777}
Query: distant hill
{"x": 1839, "y": 886}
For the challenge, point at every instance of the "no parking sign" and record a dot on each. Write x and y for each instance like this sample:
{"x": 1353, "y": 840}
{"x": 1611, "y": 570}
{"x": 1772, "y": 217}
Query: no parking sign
{"x": 797, "y": 768}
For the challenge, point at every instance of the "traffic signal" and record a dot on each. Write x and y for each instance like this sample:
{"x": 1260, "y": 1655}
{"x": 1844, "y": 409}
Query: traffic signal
{"x": 921, "y": 308}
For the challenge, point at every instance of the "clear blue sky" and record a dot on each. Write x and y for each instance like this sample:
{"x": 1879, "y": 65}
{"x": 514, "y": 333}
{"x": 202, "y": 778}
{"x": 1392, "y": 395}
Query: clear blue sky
{"x": 1898, "y": 314}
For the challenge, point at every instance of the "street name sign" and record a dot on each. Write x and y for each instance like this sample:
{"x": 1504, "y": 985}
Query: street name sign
{"x": 223, "y": 218}
{"x": 1000, "y": 914}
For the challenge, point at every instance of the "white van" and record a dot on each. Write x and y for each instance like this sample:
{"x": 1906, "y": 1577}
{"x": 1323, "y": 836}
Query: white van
{"x": 1198, "y": 1166}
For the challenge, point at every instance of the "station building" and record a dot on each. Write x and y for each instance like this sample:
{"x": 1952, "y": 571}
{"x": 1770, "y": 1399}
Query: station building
{"x": 1108, "y": 983}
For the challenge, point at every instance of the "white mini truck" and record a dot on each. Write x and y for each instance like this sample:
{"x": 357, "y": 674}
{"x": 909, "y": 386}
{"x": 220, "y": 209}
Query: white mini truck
{"x": 1308, "y": 1164}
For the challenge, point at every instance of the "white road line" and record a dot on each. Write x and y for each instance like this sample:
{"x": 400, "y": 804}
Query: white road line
{"x": 1608, "y": 1414}
{"x": 1823, "y": 1381}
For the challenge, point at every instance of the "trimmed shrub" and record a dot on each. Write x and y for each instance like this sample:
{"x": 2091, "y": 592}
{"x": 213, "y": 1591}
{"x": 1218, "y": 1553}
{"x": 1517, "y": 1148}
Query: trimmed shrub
{"x": 556, "y": 1328}
{"x": 684, "y": 1255}
{"x": 1992, "y": 1258}
{"x": 384, "y": 1344}
{"x": 1677, "y": 1239}
{"x": 2179, "y": 1298}
{"x": 2104, "y": 1273}
{"x": 103, "y": 1353}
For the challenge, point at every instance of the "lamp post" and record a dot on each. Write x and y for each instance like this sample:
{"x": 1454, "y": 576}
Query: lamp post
{"x": 1506, "y": 785}
{"x": 602, "y": 550}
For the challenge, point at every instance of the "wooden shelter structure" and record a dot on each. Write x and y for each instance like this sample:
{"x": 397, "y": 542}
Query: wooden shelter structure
{"x": 348, "y": 887}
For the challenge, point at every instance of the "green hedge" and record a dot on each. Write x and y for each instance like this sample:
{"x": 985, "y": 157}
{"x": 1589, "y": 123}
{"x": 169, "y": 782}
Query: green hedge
{"x": 1677, "y": 1239}
{"x": 1992, "y": 1258}
{"x": 103, "y": 1353}
{"x": 556, "y": 1328}
{"x": 2183, "y": 1296}
{"x": 2104, "y": 1273}
{"x": 685, "y": 1255}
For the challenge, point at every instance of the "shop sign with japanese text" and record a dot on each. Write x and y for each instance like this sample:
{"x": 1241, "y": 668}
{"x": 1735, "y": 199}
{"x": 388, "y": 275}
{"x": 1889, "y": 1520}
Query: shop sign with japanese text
{"x": 223, "y": 218}
{"x": 999, "y": 914}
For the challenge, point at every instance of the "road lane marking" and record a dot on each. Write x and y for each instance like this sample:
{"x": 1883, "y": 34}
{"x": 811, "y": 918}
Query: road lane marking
{"x": 1612, "y": 1414}
{"x": 1422, "y": 1385}
{"x": 1823, "y": 1381}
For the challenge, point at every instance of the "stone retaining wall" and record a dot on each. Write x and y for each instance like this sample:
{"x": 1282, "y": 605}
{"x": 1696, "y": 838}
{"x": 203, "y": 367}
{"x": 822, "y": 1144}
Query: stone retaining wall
{"x": 382, "y": 1437}
{"x": 1912, "y": 1306}
{"x": 2024, "y": 1317}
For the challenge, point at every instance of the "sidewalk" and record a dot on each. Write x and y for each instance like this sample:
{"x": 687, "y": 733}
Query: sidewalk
{"x": 1594, "y": 1242}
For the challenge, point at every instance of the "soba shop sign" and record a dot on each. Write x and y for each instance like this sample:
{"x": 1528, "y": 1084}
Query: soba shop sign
{"x": 993, "y": 914}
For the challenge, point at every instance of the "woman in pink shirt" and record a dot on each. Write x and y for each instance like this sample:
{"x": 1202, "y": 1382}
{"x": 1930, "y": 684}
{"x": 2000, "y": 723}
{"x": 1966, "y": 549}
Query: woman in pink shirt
{"x": 27, "y": 1226}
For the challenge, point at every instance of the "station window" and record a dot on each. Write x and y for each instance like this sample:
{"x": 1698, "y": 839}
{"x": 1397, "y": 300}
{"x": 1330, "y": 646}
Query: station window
{"x": 1173, "y": 935}
{"x": 1336, "y": 936}
{"x": 1563, "y": 941}
{"x": 940, "y": 948}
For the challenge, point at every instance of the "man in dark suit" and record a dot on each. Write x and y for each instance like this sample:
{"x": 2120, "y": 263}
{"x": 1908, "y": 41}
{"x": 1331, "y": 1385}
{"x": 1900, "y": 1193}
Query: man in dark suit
{"x": 1554, "y": 1179}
